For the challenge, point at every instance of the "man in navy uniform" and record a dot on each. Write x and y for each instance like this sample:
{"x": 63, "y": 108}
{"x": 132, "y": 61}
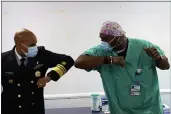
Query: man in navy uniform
{"x": 23, "y": 74}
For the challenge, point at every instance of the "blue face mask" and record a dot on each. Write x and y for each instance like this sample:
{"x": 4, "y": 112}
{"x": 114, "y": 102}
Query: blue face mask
{"x": 32, "y": 51}
{"x": 106, "y": 46}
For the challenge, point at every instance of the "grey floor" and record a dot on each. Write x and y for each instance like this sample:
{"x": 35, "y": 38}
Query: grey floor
{"x": 80, "y": 106}
{"x": 80, "y": 110}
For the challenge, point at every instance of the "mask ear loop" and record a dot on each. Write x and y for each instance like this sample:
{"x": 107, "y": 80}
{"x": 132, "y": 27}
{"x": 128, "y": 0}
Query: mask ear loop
{"x": 112, "y": 40}
{"x": 24, "y": 46}
{"x": 116, "y": 43}
{"x": 119, "y": 44}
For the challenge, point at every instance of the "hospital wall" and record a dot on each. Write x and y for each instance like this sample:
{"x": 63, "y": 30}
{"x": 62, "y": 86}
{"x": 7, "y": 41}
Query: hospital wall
{"x": 73, "y": 27}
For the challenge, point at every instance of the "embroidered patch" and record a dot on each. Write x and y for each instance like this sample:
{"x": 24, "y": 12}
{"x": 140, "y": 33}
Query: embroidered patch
{"x": 9, "y": 73}
{"x": 38, "y": 66}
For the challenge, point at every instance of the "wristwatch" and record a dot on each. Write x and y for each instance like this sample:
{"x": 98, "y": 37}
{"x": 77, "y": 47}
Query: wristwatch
{"x": 108, "y": 60}
{"x": 111, "y": 60}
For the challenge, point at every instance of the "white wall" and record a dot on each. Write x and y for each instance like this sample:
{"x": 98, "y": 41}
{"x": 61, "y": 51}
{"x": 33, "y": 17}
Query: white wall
{"x": 71, "y": 28}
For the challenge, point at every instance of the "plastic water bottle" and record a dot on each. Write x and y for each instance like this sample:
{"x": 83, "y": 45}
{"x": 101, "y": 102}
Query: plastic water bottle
{"x": 95, "y": 103}
{"x": 104, "y": 104}
{"x": 166, "y": 109}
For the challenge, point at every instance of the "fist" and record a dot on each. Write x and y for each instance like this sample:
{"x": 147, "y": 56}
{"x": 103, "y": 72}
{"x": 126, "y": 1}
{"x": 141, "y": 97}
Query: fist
{"x": 152, "y": 52}
{"x": 119, "y": 61}
{"x": 42, "y": 82}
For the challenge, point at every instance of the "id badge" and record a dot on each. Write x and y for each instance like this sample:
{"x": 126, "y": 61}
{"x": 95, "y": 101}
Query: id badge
{"x": 135, "y": 90}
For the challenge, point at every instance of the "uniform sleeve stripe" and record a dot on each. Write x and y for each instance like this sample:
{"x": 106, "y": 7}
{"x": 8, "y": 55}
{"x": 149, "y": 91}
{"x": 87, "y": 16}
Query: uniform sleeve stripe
{"x": 59, "y": 71}
{"x": 62, "y": 67}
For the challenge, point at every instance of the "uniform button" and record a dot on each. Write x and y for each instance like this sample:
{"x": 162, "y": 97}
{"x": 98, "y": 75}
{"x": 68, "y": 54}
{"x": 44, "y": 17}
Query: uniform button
{"x": 32, "y": 81}
{"x": 11, "y": 81}
{"x": 20, "y": 106}
{"x": 19, "y": 95}
{"x": 32, "y": 93}
{"x": 18, "y": 85}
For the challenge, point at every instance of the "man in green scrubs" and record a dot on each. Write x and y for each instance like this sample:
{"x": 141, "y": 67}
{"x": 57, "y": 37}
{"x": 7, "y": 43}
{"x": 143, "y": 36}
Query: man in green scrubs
{"x": 128, "y": 70}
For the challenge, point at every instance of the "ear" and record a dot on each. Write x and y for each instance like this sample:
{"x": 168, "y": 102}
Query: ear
{"x": 19, "y": 48}
{"x": 17, "y": 44}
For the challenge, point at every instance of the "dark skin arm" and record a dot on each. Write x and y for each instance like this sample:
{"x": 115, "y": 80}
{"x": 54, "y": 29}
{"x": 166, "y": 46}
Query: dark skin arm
{"x": 89, "y": 62}
{"x": 161, "y": 61}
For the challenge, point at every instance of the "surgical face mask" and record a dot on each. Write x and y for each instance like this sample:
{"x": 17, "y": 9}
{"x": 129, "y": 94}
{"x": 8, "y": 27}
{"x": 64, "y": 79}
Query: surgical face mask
{"x": 32, "y": 51}
{"x": 106, "y": 46}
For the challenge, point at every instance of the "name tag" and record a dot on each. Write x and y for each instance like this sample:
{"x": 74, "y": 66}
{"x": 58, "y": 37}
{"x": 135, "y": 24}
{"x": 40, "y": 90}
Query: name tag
{"x": 135, "y": 90}
{"x": 9, "y": 73}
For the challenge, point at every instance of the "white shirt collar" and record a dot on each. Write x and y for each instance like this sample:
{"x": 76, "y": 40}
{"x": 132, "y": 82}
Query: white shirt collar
{"x": 18, "y": 57}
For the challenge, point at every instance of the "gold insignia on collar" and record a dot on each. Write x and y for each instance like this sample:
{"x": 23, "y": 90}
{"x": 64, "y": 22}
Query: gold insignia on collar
{"x": 37, "y": 73}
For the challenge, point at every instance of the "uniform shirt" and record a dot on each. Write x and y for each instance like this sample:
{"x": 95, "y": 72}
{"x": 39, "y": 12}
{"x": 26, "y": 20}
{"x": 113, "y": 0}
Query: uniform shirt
{"x": 118, "y": 80}
{"x": 21, "y": 94}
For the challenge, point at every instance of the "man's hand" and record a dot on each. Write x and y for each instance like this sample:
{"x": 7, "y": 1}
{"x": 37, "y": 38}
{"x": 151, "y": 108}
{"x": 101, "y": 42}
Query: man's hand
{"x": 42, "y": 81}
{"x": 152, "y": 52}
{"x": 119, "y": 61}
{"x": 161, "y": 61}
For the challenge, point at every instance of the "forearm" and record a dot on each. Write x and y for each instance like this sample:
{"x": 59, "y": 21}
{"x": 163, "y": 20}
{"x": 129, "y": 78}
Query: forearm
{"x": 61, "y": 68}
{"x": 163, "y": 63}
{"x": 67, "y": 63}
{"x": 89, "y": 62}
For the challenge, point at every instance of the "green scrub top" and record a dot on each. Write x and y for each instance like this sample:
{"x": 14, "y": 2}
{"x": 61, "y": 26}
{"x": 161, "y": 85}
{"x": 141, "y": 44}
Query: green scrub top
{"x": 117, "y": 80}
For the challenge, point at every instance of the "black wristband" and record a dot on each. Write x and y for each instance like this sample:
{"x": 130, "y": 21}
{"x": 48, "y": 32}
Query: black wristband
{"x": 107, "y": 60}
{"x": 111, "y": 60}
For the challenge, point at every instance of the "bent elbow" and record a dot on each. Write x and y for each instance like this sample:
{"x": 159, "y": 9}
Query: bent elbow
{"x": 81, "y": 62}
{"x": 165, "y": 68}
{"x": 168, "y": 67}
{"x": 77, "y": 64}
{"x": 71, "y": 60}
